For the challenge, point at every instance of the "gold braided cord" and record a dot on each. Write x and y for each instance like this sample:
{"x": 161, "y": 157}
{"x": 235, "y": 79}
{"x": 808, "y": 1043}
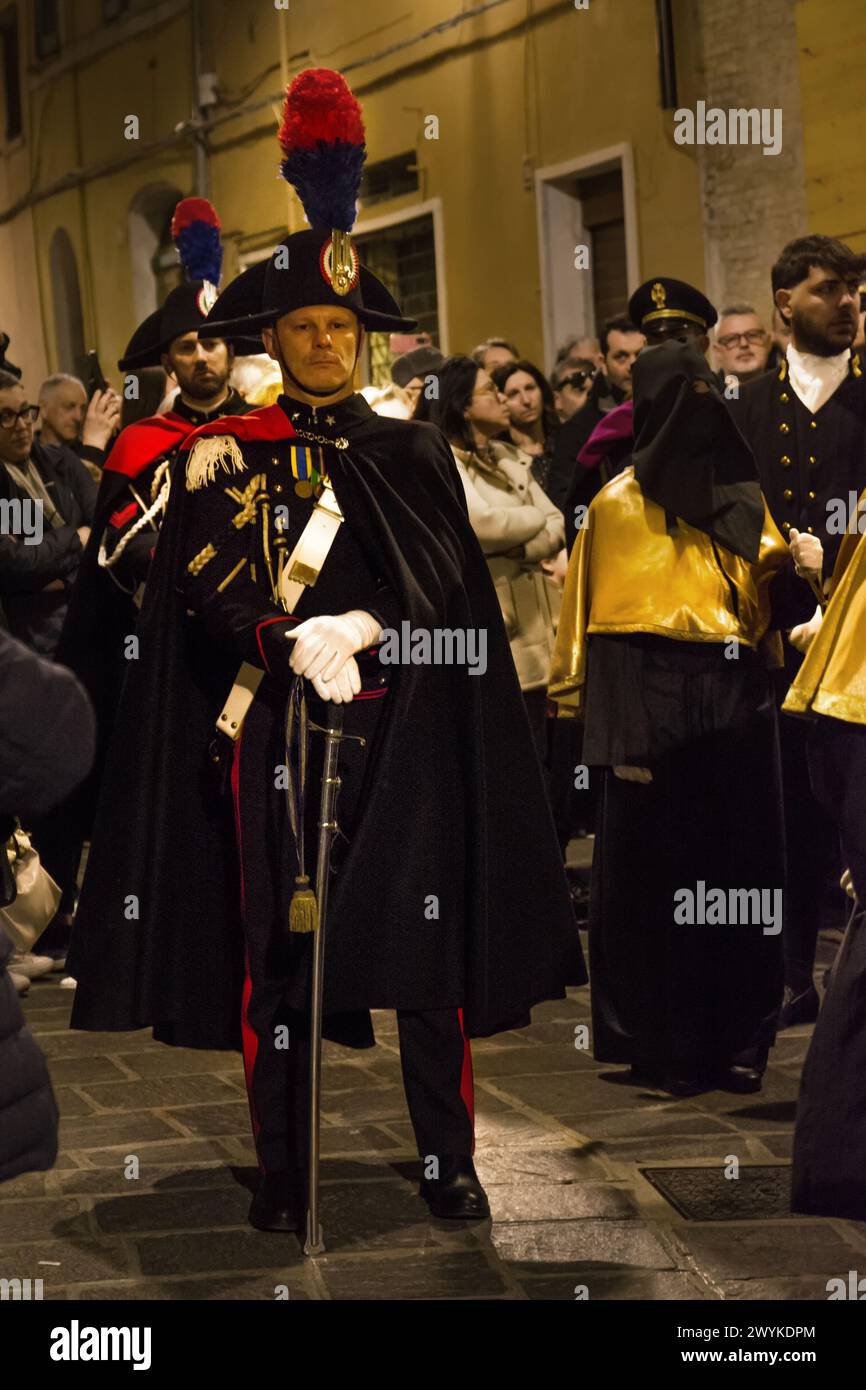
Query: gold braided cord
{"x": 198, "y": 562}
{"x": 231, "y": 575}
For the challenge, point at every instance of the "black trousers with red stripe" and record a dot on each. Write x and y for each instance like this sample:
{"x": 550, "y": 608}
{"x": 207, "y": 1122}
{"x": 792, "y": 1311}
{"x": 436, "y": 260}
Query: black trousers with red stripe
{"x": 435, "y": 1058}
{"x": 435, "y": 1055}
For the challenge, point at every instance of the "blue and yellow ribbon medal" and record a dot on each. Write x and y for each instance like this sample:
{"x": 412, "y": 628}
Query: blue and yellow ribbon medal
{"x": 308, "y": 469}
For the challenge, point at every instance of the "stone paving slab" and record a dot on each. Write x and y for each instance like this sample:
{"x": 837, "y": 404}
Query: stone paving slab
{"x": 604, "y": 1244}
{"x": 429, "y": 1274}
{"x": 765, "y": 1249}
{"x": 627, "y": 1285}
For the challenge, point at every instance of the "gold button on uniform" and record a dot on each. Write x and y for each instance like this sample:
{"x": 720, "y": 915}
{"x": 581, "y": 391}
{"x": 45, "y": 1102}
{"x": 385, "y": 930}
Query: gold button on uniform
{"x": 787, "y": 494}
{"x": 785, "y": 428}
{"x": 812, "y": 460}
{"x": 784, "y": 398}
{"x": 811, "y": 530}
{"x": 785, "y": 461}
{"x": 786, "y": 525}
{"x": 811, "y": 496}
{"x": 813, "y": 424}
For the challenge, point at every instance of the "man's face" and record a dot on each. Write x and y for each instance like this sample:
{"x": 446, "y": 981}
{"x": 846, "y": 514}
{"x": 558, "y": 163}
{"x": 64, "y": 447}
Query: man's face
{"x": 742, "y": 345}
{"x": 63, "y": 409}
{"x": 16, "y": 430}
{"x": 622, "y": 351}
{"x": 200, "y": 366}
{"x": 319, "y": 347}
{"x": 677, "y": 330}
{"x": 824, "y": 310}
{"x": 497, "y": 357}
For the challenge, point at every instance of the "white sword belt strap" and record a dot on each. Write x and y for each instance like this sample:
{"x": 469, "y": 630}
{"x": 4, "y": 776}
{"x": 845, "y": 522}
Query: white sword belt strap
{"x": 300, "y": 572}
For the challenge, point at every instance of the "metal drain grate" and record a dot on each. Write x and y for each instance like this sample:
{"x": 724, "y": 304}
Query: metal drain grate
{"x": 705, "y": 1194}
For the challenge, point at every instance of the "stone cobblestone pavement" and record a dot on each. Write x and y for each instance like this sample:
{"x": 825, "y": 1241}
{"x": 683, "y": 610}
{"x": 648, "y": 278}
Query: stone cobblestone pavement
{"x": 561, "y": 1139}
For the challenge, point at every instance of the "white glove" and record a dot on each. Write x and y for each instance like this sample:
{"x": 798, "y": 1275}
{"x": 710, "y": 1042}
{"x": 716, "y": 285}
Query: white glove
{"x": 340, "y": 688}
{"x": 808, "y": 554}
{"x": 803, "y": 634}
{"x": 325, "y": 648}
{"x": 632, "y": 774}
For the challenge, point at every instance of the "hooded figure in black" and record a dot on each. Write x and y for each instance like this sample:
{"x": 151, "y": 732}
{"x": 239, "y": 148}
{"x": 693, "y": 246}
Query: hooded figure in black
{"x": 663, "y": 650}
{"x": 448, "y": 901}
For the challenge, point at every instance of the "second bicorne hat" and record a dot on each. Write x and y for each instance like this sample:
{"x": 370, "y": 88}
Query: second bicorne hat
{"x": 195, "y": 231}
{"x": 322, "y": 139}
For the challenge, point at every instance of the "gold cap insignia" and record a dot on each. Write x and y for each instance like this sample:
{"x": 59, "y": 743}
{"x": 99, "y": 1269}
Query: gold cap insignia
{"x": 339, "y": 263}
{"x": 658, "y": 294}
{"x": 207, "y": 297}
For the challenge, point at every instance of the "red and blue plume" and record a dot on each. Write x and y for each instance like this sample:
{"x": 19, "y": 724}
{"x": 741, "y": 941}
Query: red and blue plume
{"x": 322, "y": 139}
{"x": 195, "y": 231}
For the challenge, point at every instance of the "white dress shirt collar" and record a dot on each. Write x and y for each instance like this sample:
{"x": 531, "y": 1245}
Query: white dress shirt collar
{"x": 815, "y": 378}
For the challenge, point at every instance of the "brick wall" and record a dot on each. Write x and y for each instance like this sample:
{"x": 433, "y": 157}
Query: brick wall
{"x": 746, "y": 56}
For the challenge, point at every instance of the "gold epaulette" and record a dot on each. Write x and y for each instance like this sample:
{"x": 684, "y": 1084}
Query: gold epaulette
{"x": 209, "y": 454}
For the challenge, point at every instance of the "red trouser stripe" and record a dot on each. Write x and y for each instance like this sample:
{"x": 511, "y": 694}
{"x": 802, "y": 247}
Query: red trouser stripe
{"x": 249, "y": 1037}
{"x": 467, "y": 1083}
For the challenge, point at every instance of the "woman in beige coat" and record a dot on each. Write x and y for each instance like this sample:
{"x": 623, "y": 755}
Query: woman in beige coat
{"x": 520, "y": 530}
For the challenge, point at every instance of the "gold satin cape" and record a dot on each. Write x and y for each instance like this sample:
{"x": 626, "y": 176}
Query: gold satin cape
{"x": 628, "y": 574}
{"x": 832, "y": 679}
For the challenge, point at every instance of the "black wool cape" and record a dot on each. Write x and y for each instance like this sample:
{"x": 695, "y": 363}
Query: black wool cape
{"x": 158, "y": 939}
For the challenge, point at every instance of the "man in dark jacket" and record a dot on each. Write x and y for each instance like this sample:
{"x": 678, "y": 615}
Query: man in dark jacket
{"x": 46, "y": 745}
{"x": 621, "y": 342}
{"x": 806, "y": 425}
{"x": 38, "y": 565}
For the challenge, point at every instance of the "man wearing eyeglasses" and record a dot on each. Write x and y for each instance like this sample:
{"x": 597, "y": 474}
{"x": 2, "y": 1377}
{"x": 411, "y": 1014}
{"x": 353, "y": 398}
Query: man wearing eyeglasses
{"x": 742, "y": 344}
{"x": 35, "y": 578}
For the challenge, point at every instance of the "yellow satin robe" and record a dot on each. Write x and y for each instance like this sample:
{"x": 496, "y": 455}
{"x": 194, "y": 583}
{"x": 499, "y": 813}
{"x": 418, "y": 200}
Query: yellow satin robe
{"x": 832, "y": 679}
{"x": 627, "y": 574}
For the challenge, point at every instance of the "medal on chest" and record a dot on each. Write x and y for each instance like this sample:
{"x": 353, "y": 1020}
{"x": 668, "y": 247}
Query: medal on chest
{"x": 309, "y": 469}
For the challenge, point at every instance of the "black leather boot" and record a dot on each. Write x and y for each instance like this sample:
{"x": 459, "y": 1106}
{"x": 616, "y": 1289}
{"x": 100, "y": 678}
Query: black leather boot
{"x": 279, "y": 1203}
{"x": 456, "y": 1194}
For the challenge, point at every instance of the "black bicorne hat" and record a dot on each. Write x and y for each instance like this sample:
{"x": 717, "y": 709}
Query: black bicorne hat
{"x": 195, "y": 230}
{"x": 322, "y": 140}
{"x": 296, "y": 276}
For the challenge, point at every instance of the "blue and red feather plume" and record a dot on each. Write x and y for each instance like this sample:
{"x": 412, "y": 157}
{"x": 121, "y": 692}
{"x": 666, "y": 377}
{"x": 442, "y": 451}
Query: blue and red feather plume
{"x": 322, "y": 139}
{"x": 195, "y": 231}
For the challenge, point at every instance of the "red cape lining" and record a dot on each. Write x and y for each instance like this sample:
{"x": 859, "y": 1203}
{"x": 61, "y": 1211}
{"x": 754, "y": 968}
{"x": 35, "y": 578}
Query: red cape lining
{"x": 139, "y": 444}
{"x": 270, "y": 422}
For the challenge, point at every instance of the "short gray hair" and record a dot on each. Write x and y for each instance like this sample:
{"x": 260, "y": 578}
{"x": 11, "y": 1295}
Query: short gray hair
{"x": 737, "y": 310}
{"x": 59, "y": 379}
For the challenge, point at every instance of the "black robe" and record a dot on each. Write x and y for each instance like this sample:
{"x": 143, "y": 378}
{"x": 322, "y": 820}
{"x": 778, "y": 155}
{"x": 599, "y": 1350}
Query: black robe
{"x": 158, "y": 939}
{"x": 829, "y": 1159}
{"x": 682, "y": 998}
